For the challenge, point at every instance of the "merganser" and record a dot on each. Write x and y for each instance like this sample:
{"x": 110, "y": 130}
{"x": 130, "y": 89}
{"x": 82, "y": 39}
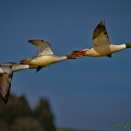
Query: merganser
{"x": 6, "y": 73}
{"x": 45, "y": 55}
{"x": 101, "y": 45}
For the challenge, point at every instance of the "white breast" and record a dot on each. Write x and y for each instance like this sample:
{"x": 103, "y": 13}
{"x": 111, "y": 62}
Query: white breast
{"x": 99, "y": 51}
{"x": 19, "y": 67}
{"x": 44, "y": 60}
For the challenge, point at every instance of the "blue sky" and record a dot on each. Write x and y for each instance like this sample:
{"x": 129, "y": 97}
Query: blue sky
{"x": 88, "y": 93}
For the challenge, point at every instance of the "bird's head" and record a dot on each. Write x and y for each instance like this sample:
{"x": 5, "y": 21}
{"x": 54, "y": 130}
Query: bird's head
{"x": 81, "y": 52}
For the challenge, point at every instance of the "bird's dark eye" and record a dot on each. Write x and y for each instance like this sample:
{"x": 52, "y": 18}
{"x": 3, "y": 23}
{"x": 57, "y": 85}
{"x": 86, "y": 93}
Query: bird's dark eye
{"x": 11, "y": 66}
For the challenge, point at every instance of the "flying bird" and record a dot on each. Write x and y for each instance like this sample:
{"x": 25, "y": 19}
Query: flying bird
{"x": 6, "y": 73}
{"x": 101, "y": 45}
{"x": 45, "y": 55}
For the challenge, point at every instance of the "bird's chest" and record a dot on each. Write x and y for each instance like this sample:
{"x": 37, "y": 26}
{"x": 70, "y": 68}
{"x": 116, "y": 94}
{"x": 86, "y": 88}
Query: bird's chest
{"x": 44, "y": 60}
{"x": 99, "y": 51}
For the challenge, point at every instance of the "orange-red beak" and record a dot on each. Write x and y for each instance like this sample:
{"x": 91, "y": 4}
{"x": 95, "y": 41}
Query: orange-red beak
{"x": 74, "y": 56}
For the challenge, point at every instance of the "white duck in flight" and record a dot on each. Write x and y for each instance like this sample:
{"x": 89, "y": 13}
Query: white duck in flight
{"x": 45, "y": 55}
{"x": 6, "y": 73}
{"x": 101, "y": 45}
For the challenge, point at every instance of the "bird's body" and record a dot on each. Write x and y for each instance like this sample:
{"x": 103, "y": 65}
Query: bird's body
{"x": 45, "y": 56}
{"x": 101, "y": 45}
{"x": 6, "y": 73}
{"x": 105, "y": 50}
{"x": 45, "y": 60}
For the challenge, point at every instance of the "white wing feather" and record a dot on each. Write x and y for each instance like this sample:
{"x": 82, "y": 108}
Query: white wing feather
{"x": 100, "y": 36}
{"x": 43, "y": 47}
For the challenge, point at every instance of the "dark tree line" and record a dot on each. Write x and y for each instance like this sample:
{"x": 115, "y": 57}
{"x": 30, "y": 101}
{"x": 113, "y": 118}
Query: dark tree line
{"x": 17, "y": 115}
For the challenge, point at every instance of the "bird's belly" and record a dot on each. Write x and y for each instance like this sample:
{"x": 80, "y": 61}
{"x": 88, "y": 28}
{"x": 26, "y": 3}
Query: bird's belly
{"x": 99, "y": 51}
{"x": 44, "y": 60}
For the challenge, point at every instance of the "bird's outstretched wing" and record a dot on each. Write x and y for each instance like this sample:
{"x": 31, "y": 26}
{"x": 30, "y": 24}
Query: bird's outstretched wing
{"x": 5, "y": 84}
{"x": 43, "y": 47}
{"x": 100, "y": 36}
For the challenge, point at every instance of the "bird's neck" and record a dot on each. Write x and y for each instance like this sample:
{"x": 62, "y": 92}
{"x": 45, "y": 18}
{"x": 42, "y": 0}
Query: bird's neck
{"x": 18, "y": 67}
{"x": 60, "y": 58}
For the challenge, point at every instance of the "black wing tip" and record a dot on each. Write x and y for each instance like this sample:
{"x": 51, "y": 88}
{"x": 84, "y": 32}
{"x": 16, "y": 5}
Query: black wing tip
{"x": 5, "y": 100}
{"x": 102, "y": 22}
{"x": 30, "y": 41}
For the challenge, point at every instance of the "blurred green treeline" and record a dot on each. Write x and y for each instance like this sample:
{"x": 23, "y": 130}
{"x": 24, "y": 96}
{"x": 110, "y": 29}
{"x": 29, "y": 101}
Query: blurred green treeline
{"x": 17, "y": 115}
